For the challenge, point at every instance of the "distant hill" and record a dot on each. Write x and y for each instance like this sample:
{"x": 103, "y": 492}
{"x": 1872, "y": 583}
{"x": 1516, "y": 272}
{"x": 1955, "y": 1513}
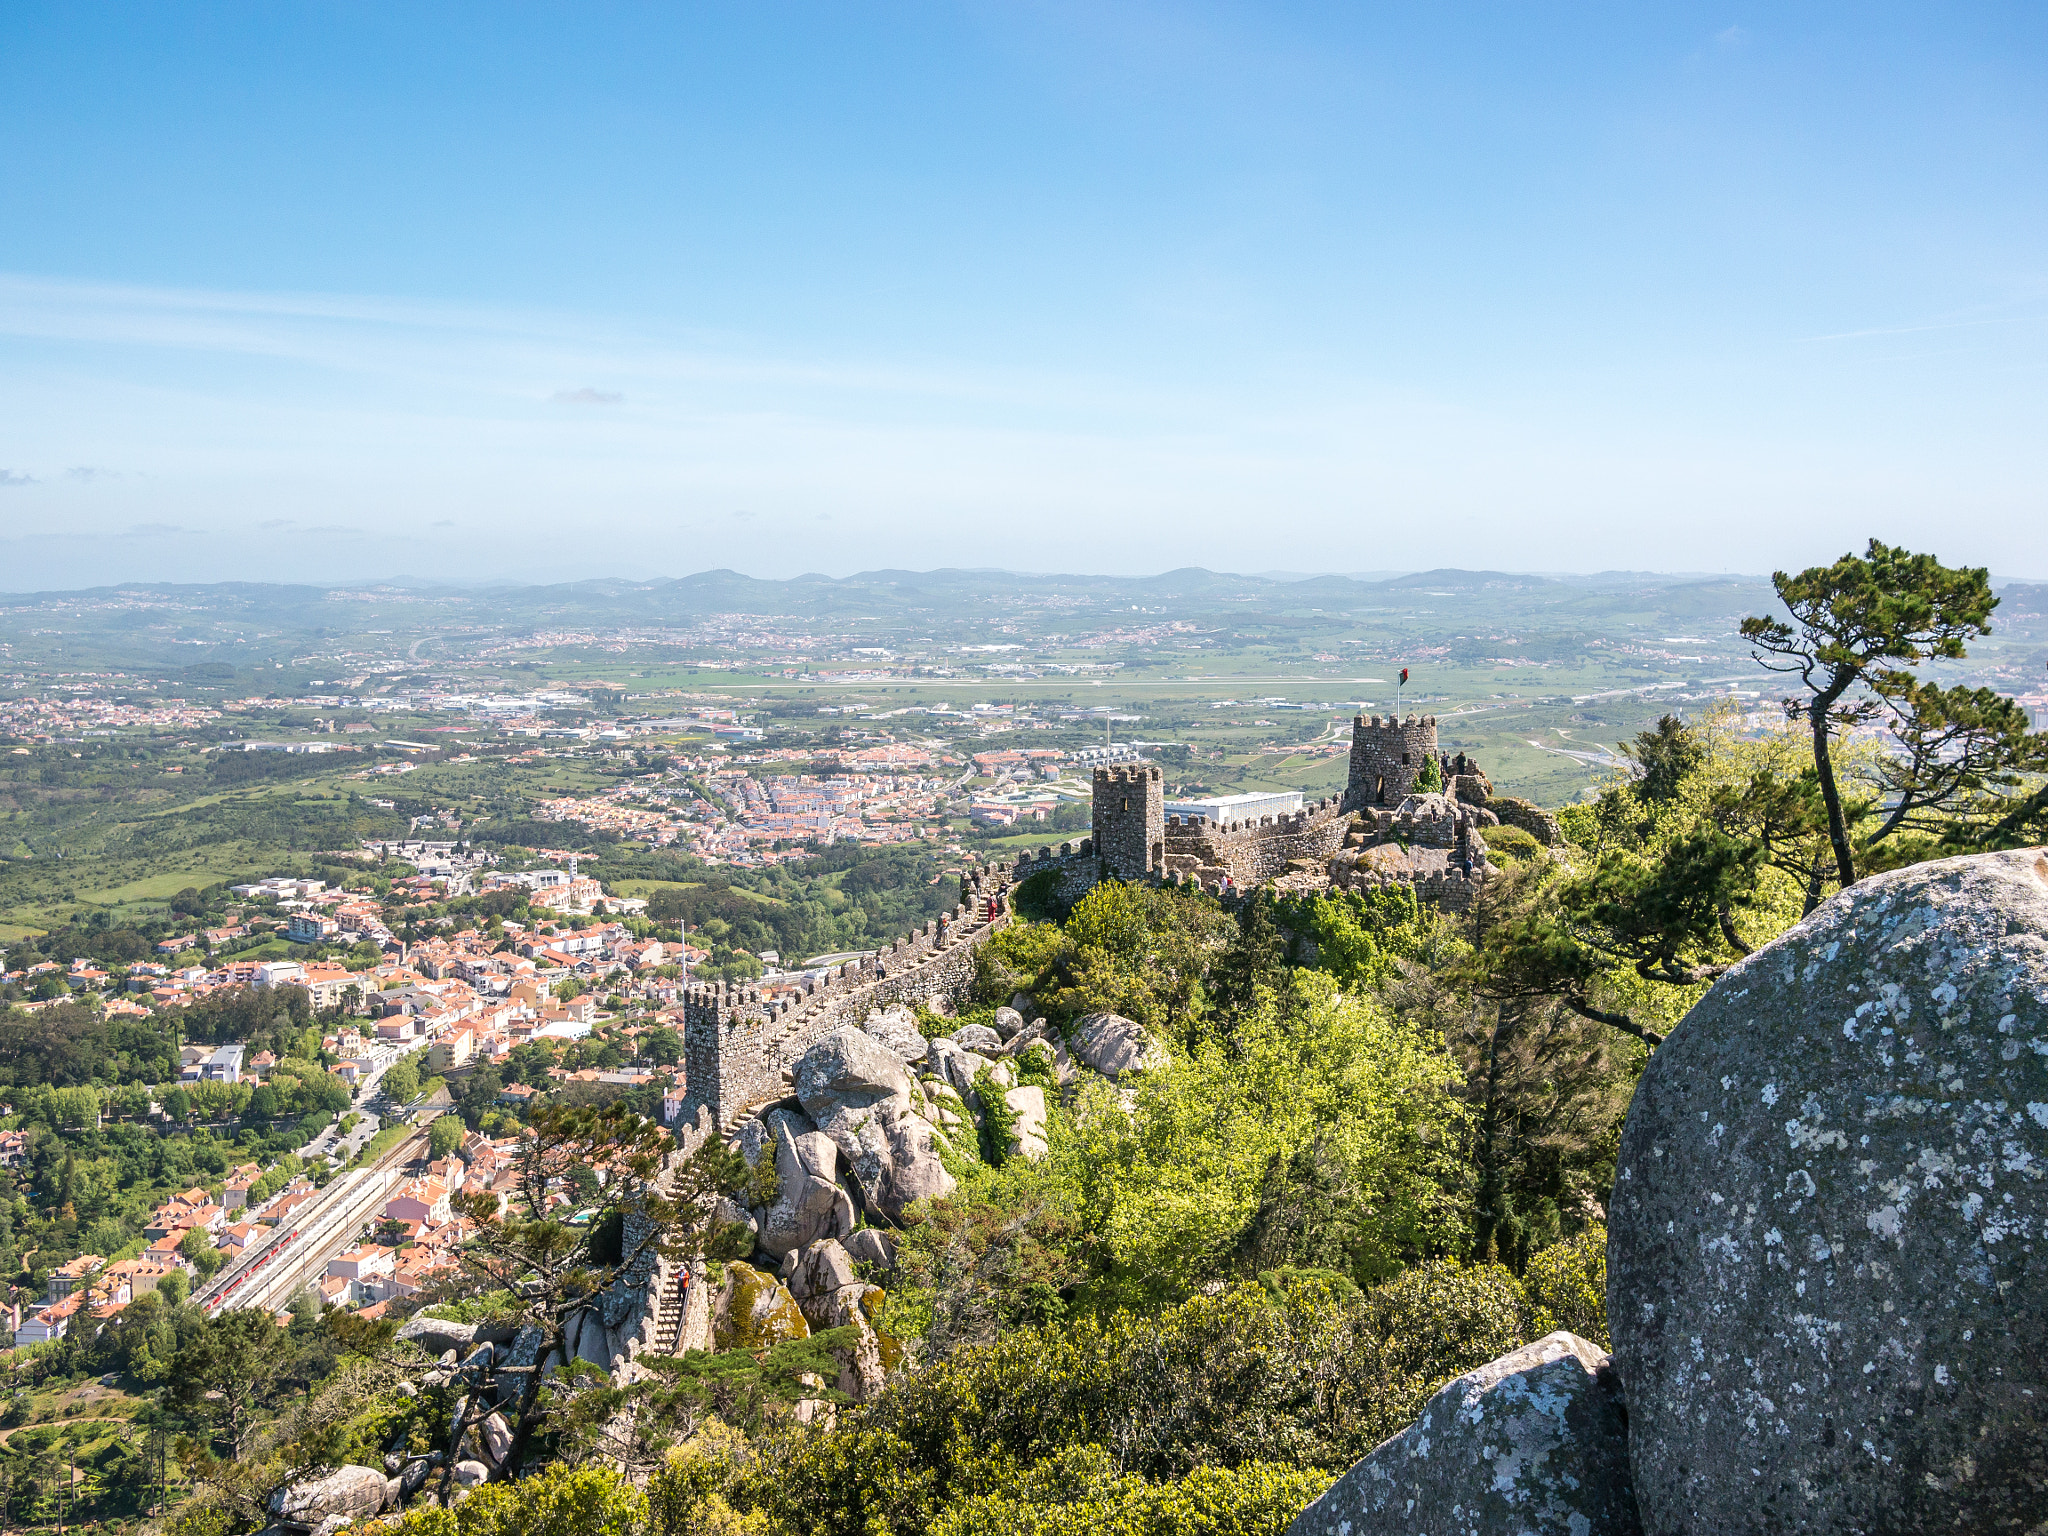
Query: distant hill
{"x": 887, "y": 599}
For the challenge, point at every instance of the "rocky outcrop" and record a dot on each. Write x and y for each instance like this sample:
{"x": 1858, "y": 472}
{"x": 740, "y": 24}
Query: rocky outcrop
{"x": 956, "y": 1066}
{"x": 437, "y": 1335}
{"x": 809, "y": 1204}
{"x": 524, "y": 1352}
{"x": 754, "y": 1312}
{"x": 1027, "y": 1136}
{"x": 1536, "y": 1441}
{"x": 828, "y": 1287}
{"x": 871, "y": 1247}
{"x": 1828, "y": 1261}
{"x": 847, "y": 1076}
{"x": 896, "y": 1161}
{"x": 895, "y": 1029}
{"x": 1039, "y": 1036}
{"x": 864, "y": 1365}
{"x": 821, "y": 1268}
{"x": 978, "y": 1037}
{"x": 346, "y": 1493}
{"x": 1114, "y": 1045}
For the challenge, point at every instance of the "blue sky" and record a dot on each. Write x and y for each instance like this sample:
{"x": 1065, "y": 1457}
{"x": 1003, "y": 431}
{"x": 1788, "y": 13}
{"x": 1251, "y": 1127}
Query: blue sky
{"x": 535, "y": 291}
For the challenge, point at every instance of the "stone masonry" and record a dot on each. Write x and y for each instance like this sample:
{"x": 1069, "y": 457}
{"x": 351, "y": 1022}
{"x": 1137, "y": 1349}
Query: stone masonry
{"x": 738, "y": 1046}
{"x": 1252, "y": 852}
{"x": 1130, "y": 820}
{"x": 1386, "y": 755}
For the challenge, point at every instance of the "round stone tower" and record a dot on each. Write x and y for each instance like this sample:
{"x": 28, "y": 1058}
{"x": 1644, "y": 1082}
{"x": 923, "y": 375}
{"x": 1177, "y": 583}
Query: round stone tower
{"x": 1386, "y": 755}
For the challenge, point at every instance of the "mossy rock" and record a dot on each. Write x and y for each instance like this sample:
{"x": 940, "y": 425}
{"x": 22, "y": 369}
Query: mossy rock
{"x": 887, "y": 1345}
{"x": 756, "y": 1312}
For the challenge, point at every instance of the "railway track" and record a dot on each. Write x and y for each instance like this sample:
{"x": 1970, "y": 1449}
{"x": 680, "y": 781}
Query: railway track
{"x": 274, "y": 1270}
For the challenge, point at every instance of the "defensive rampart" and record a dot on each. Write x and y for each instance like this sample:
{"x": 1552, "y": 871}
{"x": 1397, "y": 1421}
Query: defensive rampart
{"x": 1076, "y": 866}
{"x": 1252, "y": 852}
{"x": 739, "y": 1046}
{"x": 1530, "y": 817}
{"x": 1450, "y": 890}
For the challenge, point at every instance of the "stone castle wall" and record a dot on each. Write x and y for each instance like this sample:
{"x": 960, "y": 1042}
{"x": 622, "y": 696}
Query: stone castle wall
{"x": 1530, "y": 817}
{"x": 1450, "y": 890}
{"x": 738, "y": 1047}
{"x": 1077, "y": 867}
{"x": 1386, "y": 755}
{"x": 1420, "y": 831}
{"x": 1252, "y": 852}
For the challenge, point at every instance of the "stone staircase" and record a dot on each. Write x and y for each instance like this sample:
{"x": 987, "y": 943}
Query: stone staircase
{"x": 674, "y": 1280}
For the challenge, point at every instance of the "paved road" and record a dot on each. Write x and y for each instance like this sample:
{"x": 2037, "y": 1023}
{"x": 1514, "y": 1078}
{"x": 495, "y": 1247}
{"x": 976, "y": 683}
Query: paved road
{"x": 338, "y": 1148}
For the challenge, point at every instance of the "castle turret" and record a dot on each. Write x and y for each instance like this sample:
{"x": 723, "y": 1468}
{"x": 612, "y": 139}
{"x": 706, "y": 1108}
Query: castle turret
{"x": 1130, "y": 819}
{"x": 1386, "y": 755}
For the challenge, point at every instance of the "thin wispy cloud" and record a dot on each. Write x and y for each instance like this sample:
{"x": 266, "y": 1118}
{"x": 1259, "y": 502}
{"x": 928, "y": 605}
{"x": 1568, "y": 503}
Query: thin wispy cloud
{"x": 500, "y": 351}
{"x": 1912, "y": 330}
{"x": 379, "y": 420}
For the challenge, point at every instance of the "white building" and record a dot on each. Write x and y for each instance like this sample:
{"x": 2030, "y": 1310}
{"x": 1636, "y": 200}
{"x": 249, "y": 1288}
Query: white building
{"x": 223, "y": 1066}
{"x": 1228, "y": 808}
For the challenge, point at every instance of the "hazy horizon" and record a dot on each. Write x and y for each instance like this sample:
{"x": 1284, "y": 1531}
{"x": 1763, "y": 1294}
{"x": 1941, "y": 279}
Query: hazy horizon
{"x": 406, "y": 579}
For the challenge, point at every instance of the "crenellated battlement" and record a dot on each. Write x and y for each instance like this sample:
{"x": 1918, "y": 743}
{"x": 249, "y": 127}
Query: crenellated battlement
{"x": 1451, "y": 890}
{"x": 1130, "y": 819}
{"x": 739, "y": 1041}
{"x": 1386, "y": 755}
{"x": 1428, "y": 821}
{"x": 1252, "y": 851}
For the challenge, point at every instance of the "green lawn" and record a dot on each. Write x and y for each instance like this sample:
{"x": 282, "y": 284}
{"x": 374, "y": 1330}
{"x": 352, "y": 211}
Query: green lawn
{"x": 645, "y": 888}
{"x": 158, "y": 887}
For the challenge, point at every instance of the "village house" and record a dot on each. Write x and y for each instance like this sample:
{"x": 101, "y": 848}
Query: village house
{"x": 67, "y": 1277}
{"x": 423, "y": 1200}
{"x": 47, "y": 1323}
{"x": 234, "y": 1191}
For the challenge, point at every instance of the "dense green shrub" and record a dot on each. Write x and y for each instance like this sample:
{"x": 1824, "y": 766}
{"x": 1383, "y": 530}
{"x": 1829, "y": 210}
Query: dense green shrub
{"x": 1080, "y": 1493}
{"x": 1567, "y": 1283}
{"x": 556, "y": 1501}
{"x": 1311, "y": 1379}
{"x": 1505, "y": 842}
{"x": 1021, "y": 957}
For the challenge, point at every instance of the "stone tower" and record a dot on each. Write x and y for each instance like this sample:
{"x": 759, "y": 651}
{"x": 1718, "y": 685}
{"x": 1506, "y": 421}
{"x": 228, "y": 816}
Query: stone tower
{"x": 1130, "y": 819}
{"x": 1386, "y": 755}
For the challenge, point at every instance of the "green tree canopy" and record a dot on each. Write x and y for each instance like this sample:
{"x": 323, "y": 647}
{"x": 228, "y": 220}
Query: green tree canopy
{"x": 1855, "y": 626}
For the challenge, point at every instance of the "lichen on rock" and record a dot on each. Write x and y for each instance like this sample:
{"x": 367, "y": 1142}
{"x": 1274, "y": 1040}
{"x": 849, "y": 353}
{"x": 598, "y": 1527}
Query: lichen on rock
{"x": 1535, "y": 1441}
{"x": 1828, "y": 1260}
{"x": 755, "y": 1312}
